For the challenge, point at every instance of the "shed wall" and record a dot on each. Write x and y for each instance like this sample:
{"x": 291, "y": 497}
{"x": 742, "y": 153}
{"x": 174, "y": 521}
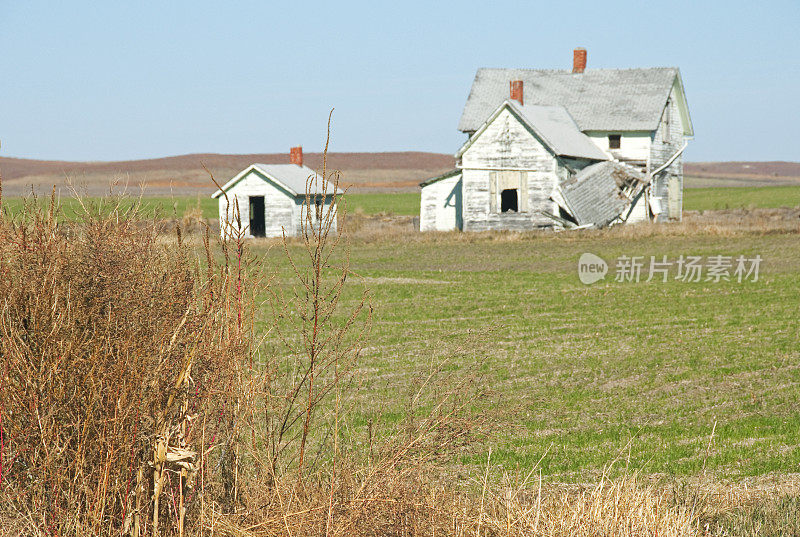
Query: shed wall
{"x": 299, "y": 211}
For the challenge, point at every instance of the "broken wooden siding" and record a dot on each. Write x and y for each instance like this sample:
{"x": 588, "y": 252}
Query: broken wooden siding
{"x": 440, "y": 205}
{"x": 507, "y": 146}
{"x": 667, "y": 189}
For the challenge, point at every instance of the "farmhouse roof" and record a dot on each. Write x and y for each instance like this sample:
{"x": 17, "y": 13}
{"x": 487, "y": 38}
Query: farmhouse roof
{"x": 553, "y": 125}
{"x": 598, "y": 99}
{"x": 291, "y": 177}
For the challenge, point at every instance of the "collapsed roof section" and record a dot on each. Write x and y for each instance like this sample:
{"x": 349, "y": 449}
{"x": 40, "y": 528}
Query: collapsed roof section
{"x": 599, "y": 195}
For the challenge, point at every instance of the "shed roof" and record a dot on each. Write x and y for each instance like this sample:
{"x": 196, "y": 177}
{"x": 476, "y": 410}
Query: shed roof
{"x": 594, "y": 195}
{"x": 552, "y": 124}
{"x": 445, "y": 175}
{"x": 598, "y": 99}
{"x": 291, "y": 177}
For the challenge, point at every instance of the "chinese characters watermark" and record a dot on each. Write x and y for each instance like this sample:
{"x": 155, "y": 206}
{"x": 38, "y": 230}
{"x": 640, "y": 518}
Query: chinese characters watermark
{"x": 685, "y": 268}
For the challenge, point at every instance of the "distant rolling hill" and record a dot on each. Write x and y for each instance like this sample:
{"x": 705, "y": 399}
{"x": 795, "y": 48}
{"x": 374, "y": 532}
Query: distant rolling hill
{"x": 741, "y": 173}
{"x": 184, "y": 174}
{"x": 363, "y": 172}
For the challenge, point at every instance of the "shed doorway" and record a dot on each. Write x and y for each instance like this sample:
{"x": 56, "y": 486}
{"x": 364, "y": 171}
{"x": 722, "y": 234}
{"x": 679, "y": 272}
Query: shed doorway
{"x": 257, "y": 226}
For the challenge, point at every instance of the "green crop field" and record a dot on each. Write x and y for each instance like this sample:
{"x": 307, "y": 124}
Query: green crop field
{"x": 399, "y": 203}
{"x": 583, "y": 375}
{"x": 695, "y": 199}
{"x": 162, "y": 206}
{"x": 407, "y": 203}
{"x": 403, "y": 203}
{"x": 706, "y": 199}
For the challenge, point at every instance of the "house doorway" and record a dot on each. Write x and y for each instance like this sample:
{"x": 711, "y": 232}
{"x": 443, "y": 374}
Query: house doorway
{"x": 509, "y": 200}
{"x": 257, "y": 227}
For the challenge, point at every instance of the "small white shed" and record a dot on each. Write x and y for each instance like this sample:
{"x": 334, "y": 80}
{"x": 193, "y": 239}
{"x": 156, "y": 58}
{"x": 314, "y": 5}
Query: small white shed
{"x": 271, "y": 198}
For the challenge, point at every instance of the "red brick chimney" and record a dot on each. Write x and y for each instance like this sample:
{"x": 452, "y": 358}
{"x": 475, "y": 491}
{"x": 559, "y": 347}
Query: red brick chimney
{"x": 578, "y": 60}
{"x": 516, "y": 91}
{"x": 296, "y": 155}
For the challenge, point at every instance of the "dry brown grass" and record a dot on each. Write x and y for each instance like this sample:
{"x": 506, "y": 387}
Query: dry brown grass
{"x": 119, "y": 364}
{"x": 731, "y": 222}
{"x": 408, "y": 505}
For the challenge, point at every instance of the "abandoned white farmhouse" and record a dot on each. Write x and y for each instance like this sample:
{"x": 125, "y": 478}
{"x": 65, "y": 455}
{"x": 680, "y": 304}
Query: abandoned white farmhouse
{"x": 271, "y": 198}
{"x": 564, "y": 148}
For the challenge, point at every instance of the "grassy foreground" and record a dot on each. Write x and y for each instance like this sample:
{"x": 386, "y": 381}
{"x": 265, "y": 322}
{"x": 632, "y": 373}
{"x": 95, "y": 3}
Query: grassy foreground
{"x": 671, "y": 378}
{"x": 666, "y": 378}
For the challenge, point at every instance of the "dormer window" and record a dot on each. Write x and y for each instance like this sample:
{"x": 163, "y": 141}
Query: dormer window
{"x": 614, "y": 141}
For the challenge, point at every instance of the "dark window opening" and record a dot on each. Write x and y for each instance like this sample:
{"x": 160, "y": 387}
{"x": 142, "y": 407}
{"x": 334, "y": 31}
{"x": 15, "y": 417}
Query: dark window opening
{"x": 614, "y": 141}
{"x": 257, "y": 225}
{"x": 509, "y": 200}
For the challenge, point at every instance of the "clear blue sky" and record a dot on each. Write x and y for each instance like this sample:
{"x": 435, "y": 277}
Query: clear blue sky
{"x": 120, "y": 80}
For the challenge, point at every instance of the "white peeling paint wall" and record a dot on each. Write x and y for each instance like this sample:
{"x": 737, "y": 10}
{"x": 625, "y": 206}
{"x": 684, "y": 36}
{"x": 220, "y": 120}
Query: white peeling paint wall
{"x": 507, "y": 146}
{"x": 440, "y": 205}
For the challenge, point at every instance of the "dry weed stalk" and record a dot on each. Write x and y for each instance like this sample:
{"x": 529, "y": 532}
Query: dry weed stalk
{"x": 304, "y": 475}
{"x": 324, "y": 346}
